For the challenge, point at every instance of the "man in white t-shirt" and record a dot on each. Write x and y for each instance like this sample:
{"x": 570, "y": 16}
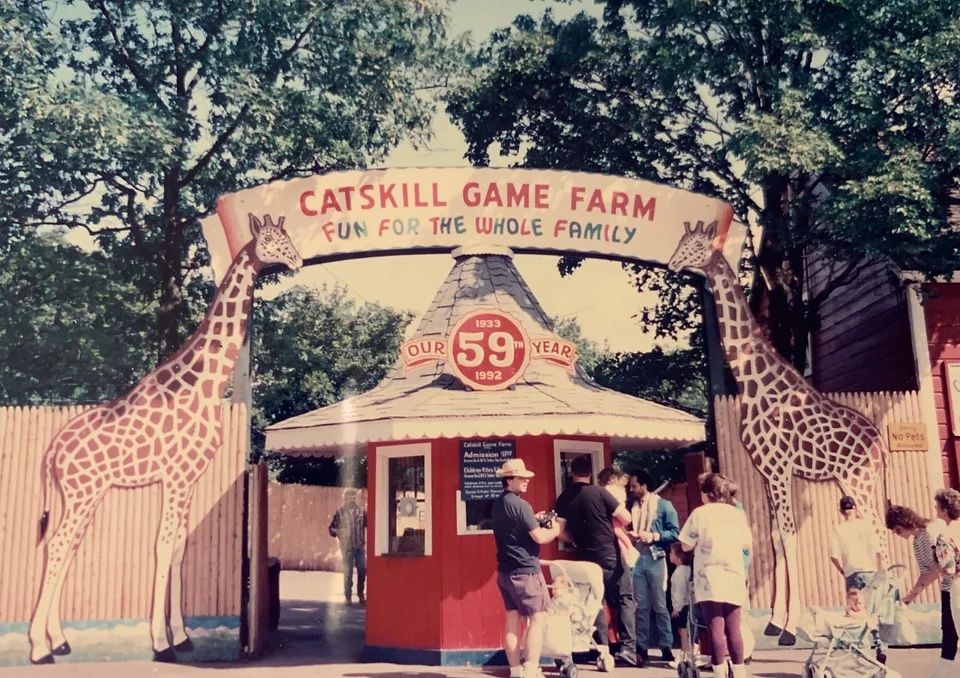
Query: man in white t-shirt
{"x": 855, "y": 551}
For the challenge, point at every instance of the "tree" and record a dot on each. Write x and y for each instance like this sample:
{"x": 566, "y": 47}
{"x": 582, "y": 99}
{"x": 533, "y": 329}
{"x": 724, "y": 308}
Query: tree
{"x": 314, "y": 348}
{"x": 187, "y": 99}
{"x": 589, "y": 353}
{"x": 69, "y": 331}
{"x": 832, "y": 128}
{"x": 674, "y": 378}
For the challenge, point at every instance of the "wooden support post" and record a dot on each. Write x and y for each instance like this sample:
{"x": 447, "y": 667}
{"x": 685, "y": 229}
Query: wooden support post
{"x": 694, "y": 464}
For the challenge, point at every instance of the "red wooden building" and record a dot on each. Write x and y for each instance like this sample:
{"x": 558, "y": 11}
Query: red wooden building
{"x": 432, "y": 595}
{"x": 885, "y": 331}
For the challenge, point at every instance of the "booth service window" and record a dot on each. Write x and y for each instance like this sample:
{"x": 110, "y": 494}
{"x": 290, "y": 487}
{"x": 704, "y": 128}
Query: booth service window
{"x": 474, "y": 516}
{"x": 407, "y": 506}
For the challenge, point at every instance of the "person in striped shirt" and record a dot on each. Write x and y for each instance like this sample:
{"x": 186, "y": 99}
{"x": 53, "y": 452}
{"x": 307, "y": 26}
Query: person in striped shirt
{"x": 349, "y": 525}
{"x": 907, "y": 523}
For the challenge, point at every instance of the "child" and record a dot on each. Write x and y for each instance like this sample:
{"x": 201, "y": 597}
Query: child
{"x": 680, "y": 595}
{"x": 854, "y": 602}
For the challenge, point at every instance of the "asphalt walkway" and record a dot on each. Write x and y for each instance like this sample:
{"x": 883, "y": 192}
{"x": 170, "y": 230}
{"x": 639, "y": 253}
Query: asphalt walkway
{"x": 320, "y": 636}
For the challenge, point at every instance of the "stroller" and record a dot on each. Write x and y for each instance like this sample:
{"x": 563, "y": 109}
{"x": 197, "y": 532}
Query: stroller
{"x": 576, "y": 599}
{"x": 846, "y": 646}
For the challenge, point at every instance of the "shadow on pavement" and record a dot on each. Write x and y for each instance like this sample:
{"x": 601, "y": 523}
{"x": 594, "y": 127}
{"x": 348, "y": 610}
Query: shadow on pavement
{"x": 316, "y": 632}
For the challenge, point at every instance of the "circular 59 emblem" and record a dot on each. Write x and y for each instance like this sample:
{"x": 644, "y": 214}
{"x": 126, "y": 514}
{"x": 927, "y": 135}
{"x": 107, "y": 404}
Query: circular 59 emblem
{"x": 488, "y": 350}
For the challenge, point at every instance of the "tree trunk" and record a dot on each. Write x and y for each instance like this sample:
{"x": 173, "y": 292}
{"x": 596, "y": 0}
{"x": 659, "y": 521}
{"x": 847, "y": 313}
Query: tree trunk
{"x": 781, "y": 307}
{"x": 171, "y": 270}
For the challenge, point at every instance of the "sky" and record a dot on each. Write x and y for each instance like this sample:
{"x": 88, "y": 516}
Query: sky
{"x": 599, "y": 295}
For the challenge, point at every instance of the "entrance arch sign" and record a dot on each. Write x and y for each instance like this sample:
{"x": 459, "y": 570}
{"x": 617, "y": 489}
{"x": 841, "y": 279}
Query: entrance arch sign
{"x": 354, "y": 214}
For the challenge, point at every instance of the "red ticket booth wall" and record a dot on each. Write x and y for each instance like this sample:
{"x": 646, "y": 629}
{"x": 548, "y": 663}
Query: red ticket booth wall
{"x": 443, "y": 607}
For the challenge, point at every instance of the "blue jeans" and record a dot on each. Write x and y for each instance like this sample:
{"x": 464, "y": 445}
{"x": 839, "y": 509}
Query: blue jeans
{"x": 650, "y": 591}
{"x": 354, "y": 558}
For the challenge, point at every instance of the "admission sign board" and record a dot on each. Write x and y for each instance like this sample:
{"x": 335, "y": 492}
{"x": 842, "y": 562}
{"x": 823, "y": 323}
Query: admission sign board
{"x": 479, "y": 461}
{"x": 344, "y": 215}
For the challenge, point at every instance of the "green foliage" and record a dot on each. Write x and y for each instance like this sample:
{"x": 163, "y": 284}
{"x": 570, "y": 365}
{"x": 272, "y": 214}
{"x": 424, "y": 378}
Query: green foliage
{"x": 325, "y": 471}
{"x": 70, "y": 331}
{"x": 835, "y": 127}
{"x": 129, "y": 118}
{"x": 662, "y": 465}
{"x": 314, "y": 348}
{"x": 589, "y": 353}
{"x": 674, "y": 378}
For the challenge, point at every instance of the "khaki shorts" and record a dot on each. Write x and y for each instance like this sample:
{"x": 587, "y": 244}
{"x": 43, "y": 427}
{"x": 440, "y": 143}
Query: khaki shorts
{"x": 524, "y": 593}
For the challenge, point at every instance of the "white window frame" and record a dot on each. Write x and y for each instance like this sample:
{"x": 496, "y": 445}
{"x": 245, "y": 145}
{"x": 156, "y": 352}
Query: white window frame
{"x": 592, "y": 447}
{"x": 462, "y": 530}
{"x": 384, "y": 454}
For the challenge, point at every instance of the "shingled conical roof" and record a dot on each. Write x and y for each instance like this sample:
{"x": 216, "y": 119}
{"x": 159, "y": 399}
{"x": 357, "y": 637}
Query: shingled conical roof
{"x": 430, "y": 402}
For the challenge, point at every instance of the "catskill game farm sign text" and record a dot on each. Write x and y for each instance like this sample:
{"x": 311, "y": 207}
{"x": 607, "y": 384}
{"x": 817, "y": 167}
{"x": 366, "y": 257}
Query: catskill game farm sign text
{"x": 342, "y": 215}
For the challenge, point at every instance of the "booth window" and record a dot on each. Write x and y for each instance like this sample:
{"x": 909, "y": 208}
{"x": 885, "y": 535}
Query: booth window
{"x": 564, "y": 452}
{"x": 403, "y": 512}
{"x": 474, "y": 516}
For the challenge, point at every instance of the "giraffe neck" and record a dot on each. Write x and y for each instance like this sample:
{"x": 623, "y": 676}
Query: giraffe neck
{"x": 740, "y": 333}
{"x": 211, "y": 351}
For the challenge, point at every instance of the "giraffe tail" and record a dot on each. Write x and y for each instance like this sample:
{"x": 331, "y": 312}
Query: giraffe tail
{"x": 46, "y": 478}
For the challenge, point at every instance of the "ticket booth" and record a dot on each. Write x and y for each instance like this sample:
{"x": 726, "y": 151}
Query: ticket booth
{"x": 482, "y": 380}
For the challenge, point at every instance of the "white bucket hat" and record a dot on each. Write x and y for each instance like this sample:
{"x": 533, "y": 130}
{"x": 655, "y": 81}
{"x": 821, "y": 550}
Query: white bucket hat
{"x": 514, "y": 468}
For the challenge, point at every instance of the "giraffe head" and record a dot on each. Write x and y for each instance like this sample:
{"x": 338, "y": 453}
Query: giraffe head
{"x": 695, "y": 247}
{"x": 272, "y": 245}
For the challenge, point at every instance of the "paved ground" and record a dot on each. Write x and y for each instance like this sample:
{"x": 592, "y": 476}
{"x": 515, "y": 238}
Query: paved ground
{"x": 302, "y": 647}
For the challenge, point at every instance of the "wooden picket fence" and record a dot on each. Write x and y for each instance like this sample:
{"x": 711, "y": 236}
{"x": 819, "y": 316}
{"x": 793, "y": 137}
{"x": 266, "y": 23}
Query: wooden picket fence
{"x": 299, "y": 517}
{"x": 815, "y": 503}
{"x": 112, "y": 575}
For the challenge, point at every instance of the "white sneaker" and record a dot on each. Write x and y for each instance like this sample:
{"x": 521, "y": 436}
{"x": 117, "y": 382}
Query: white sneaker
{"x": 516, "y": 672}
{"x": 531, "y": 671}
{"x": 721, "y": 670}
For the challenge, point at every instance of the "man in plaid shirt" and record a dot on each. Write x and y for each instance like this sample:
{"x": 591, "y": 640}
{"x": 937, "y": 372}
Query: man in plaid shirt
{"x": 349, "y": 525}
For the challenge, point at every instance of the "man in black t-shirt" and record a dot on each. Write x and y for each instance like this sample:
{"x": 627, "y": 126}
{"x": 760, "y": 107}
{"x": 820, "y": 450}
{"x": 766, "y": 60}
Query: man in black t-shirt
{"x": 517, "y": 532}
{"x": 586, "y": 514}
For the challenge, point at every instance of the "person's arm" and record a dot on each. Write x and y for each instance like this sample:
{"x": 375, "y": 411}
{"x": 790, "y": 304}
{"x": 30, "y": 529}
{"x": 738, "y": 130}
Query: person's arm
{"x": 835, "y": 552}
{"x": 621, "y": 514}
{"x": 545, "y": 535}
{"x": 541, "y": 535}
{"x": 563, "y": 535}
{"x": 669, "y": 526}
{"x": 923, "y": 581}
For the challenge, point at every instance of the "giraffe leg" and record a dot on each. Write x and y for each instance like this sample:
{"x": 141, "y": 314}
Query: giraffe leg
{"x": 163, "y": 552}
{"x": 788, "y": 533}
{"x": 59, "y": 552}
{"x": 58, "y": 639}
{"x": 178, "y": 632}
{"x": 784, "y": 534}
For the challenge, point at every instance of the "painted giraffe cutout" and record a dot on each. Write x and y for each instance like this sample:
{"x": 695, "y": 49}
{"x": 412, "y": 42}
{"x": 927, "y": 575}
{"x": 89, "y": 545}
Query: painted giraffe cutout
{"x": 165, "y": 430}
{"x": 787, "y": 427}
